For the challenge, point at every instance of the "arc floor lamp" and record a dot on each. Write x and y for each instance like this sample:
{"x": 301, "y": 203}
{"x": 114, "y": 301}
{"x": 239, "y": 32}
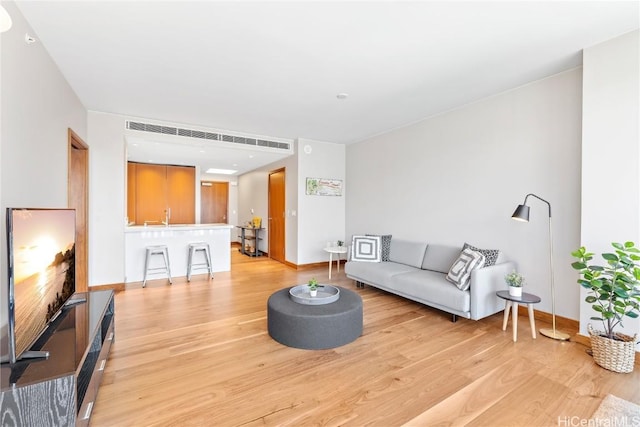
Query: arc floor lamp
{"x": 522, "y": 214}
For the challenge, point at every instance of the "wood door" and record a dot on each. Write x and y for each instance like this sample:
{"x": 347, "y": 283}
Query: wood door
{"x": 151, "y": 193}
{"x": 181, "y": 194}
{"x": 77, "y": 197}
{"x": 131, "y": 191}
{"x": 214, "y": 202}
{"x": 277, "y": 215}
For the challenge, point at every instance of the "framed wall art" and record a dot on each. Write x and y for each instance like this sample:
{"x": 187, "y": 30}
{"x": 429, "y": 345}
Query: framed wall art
{"x": 324, "y": 187}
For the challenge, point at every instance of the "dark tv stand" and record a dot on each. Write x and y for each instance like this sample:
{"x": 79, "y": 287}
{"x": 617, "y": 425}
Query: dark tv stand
{"x": 61, "y": 389}
{"x": 34, "y": 355}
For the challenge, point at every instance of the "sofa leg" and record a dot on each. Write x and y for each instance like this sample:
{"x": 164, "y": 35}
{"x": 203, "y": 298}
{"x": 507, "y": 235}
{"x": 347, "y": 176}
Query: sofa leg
{"x": 454, "y": 318}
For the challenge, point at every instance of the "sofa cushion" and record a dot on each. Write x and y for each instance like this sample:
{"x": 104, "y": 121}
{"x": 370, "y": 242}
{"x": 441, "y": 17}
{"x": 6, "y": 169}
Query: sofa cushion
{"x": 433, "y": 288}
{"x": 460, "y": 273}
{"x": 385, "y": 245}
{"x": 365, "y": 248}
{"x": 382, "y": 273}
{"x": 440, "y": 257}
{"x": 490, "y": 255}
{"x": 406, "y": 252}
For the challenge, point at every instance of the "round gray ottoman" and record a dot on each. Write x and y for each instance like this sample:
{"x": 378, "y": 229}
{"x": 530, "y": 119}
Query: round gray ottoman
{"x": 314, "y": 327}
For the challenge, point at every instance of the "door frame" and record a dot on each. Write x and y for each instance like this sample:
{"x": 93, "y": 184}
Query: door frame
{"x": 76, "y": 145}
{"x": 284, "y": 228}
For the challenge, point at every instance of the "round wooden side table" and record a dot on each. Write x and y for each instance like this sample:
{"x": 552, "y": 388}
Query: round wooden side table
{"x": 511, "y": 304}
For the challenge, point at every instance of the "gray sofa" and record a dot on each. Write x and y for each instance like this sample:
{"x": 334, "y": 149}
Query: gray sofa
{"x": 417, "y": 271}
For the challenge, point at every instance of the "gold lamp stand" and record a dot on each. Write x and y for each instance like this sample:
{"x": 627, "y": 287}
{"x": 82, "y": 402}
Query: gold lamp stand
{"x": 522, "y": 214}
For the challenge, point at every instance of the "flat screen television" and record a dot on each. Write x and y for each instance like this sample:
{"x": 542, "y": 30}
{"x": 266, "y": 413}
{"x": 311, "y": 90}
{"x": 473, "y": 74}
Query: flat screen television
{"x": 41, "y": 267}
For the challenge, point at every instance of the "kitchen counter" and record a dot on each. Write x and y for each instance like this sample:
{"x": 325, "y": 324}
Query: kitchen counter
{"x": 156, "y": 227}
{"x": 177, "y": 238}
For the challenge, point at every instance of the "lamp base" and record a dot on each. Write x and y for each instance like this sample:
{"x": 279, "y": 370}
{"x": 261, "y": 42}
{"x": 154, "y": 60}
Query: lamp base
{"x": 555, "y": 334}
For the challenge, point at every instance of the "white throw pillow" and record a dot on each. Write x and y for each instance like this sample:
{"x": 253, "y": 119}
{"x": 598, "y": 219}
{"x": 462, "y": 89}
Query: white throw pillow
{"x": 460, "y": 272}
{"x": 365, "y": 248}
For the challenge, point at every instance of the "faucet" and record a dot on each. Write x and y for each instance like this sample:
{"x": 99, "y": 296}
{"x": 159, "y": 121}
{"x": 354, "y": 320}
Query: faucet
{"x": 167, "y": 216}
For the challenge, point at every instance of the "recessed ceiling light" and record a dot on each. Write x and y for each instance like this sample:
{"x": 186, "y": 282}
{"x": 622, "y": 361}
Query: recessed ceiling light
{"x": 235, "y": 164}
{"x": 202, "y": 151}
{"x": 221, "y": 171}
{"x": 5, "y": 20}
{"x": 251, "y": 156}
{"x": 342, "y": 95}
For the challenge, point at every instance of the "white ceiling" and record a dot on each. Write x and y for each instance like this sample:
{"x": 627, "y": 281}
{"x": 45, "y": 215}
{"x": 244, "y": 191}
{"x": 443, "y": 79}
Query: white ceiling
{"x": 275, "y": 68}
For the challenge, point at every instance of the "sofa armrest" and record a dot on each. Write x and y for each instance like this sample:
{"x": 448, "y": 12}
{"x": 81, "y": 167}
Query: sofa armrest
{"x": 484, "y": 284}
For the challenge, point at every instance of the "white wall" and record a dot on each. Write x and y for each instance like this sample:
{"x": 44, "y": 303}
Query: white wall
{"x": 253, "y": 193}
{"x": 458, "y": 176}
{"x": 253, "y": 201}
{"x": 37, "y": 108}
{"x": 321, "y": 219}
{"x": 107, "y": 198}
{"x": 311, "y": 221}
{"x": 611, "y": 153}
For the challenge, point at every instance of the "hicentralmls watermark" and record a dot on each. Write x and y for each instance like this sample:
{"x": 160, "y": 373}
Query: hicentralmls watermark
{"x": 615, "y": 421}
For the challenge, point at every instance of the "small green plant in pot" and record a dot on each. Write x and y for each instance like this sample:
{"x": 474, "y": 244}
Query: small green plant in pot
{"x": 614, "y": 293}
{"x": 515, "y": 281}
{"x": 313, "y": 287}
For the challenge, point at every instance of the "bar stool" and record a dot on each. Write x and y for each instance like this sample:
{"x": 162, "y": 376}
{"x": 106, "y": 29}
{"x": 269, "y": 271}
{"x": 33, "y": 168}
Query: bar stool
{"x": 193, "y": 248}
{"x": 156, "y": 250}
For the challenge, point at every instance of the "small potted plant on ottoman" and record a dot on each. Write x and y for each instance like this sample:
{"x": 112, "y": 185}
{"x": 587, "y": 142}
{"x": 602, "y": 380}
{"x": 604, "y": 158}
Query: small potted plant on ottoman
{"x": 515, "y": 282}
{"x": 313, "y": 287}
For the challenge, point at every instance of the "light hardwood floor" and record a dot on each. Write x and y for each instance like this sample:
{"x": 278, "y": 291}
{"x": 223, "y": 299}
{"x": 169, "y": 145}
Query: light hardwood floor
{"x": 199, "y": 354}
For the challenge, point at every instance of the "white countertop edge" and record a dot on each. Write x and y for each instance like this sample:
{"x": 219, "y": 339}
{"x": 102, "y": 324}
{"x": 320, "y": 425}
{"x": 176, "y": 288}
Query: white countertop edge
{"x": 176, "y": 227}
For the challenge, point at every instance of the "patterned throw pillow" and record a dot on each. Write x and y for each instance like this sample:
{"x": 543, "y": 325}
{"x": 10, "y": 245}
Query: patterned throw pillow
{"x": 490, "y": 255}
{"x": 365, "y": 248}
{"x": 385, "y": 242}
{"x": 460, "y": 272}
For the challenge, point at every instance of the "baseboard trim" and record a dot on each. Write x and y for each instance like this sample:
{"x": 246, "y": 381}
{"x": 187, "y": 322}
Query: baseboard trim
{"x": 115, "y": 286}
{"x": 581, "y": 339}
{"x": 564, "y": 324}
{"x": 313, "y": 265}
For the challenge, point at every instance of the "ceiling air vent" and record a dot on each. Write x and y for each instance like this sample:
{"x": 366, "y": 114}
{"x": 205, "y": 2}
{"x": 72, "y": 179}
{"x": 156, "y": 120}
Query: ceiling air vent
{"x": 191, "y": 133}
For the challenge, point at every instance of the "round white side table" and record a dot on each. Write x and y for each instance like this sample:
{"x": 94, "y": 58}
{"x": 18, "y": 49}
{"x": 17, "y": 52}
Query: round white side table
{"x": 335, "y": 250}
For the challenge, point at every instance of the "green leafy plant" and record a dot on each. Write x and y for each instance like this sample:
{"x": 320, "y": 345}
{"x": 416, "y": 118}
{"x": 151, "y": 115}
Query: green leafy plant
{"x": 614, "y": 289}
{"x": 340, "y": 243}
{"x": 313, "y": 284}
{"x": 514, "y": 279}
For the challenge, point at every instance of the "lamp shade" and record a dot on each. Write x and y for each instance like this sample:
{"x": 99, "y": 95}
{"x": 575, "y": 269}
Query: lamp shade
{"x": 521, "y": 213}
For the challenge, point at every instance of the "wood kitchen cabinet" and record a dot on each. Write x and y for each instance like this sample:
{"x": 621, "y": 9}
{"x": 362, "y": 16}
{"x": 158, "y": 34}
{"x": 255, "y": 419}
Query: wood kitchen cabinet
{"x": 181, "y": 194}
{"x": 161, "y": 191}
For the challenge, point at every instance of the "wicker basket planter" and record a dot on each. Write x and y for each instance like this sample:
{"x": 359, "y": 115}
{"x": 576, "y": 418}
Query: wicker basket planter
{"x": 615, "y": 355}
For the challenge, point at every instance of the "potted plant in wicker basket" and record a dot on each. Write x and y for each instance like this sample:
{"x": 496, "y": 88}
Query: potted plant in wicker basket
{"x": 614, "y": 293}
